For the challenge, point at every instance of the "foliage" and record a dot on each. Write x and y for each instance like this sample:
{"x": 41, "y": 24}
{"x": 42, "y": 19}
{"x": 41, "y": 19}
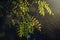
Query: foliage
{"x": 42, "y": 5}
{"x": 27, "y": 25}
{"x": 19, "y": 14}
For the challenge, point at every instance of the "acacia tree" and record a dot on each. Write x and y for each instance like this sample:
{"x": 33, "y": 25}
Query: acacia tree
{"x": 18, "y": 15}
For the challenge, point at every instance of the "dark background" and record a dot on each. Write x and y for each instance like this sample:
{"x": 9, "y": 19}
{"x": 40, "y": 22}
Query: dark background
{"x": 50, "y": 24}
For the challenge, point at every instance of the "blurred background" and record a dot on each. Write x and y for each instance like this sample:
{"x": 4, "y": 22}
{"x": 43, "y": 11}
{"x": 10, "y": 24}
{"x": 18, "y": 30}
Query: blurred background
{"x": 50, "y": 25}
